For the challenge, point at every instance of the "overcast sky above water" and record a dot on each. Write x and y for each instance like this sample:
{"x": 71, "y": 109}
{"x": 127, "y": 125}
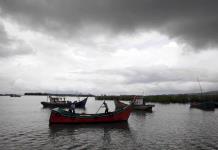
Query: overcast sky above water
{"x": 108, "y": 47}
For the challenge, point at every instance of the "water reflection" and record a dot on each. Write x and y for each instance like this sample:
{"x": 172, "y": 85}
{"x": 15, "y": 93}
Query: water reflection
{"x": 106, "y": 137}
{"x": 142, "y": 112}
{"x": 71, "y": 127}
{"x": 100, "y": 136}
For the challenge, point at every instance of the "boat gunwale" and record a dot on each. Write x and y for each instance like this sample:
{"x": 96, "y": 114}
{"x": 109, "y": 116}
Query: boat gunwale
{"x": 77, "y": 115}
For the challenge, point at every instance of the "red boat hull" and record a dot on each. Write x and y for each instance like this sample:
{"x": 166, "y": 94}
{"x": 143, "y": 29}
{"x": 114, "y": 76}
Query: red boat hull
{"x": 65, "y": 117}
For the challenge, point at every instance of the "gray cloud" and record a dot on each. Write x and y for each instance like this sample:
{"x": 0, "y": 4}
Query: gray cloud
{"x": 10, "y": 46}
{"x": 165, "y": 74}
{"x": 154, "y": 74}
{"x": 190, "y": 21}
{"x": 4, "y": 39}
{"x": 152, "y": 80}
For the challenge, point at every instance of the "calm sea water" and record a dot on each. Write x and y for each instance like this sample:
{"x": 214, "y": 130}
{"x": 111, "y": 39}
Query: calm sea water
{"x": 24, "y": 125}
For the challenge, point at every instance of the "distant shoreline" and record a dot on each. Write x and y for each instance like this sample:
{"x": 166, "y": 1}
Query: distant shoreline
{"x": 165, "y": 99}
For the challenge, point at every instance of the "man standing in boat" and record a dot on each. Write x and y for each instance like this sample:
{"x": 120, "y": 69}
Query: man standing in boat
{"x": 106, "y": 107}
{"x": 72, "y": 107}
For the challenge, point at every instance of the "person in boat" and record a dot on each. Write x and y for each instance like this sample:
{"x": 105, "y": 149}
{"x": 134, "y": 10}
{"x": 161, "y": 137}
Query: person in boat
{"x": 106, "y": 107}
{"x": 72, "y": 107}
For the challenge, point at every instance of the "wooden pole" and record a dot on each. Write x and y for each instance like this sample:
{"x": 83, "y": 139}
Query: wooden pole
{"x": 100, "y": 107}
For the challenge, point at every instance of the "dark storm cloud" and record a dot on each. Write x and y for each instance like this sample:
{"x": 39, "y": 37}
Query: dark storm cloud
{"x": 10, "y": 46}
{"x": 4, "y": 39}
{"x": 191, "y": 21}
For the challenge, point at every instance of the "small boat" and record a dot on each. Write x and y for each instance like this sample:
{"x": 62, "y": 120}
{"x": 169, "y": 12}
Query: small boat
{"x": 15, "y": 95}
{"x": 60, "y": 102}
{"x": 59, "y": 115}
{"x": 206, "y": 105}
{"x": 203, "y": 104}
{"x": 143, "y": 107}
{"x": 138, "y": 104}
{"x": 119, "y": 105}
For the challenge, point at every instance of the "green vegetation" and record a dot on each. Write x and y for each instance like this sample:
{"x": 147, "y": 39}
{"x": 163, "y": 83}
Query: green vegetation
{"x": 181, "y": 98}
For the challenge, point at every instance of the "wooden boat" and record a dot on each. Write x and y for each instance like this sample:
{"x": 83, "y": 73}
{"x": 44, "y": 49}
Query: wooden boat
{"x": 206, "y": 105}
{"x": 119, "y": 105}
{"x": 59, "y": 115}
{"x": 60, "y": 102}
{"x": 15, "y": 95}
{"x": 203, "y": 104}
{"x": 143, "y": 107}
{"x": 138, "y": 104}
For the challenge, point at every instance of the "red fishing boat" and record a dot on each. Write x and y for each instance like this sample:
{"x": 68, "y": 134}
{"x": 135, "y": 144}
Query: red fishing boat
{"x": 59, "y": 115}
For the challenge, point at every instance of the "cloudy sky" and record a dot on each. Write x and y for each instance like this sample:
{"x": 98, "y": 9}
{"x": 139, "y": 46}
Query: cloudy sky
{"x": 108, "y": 46}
